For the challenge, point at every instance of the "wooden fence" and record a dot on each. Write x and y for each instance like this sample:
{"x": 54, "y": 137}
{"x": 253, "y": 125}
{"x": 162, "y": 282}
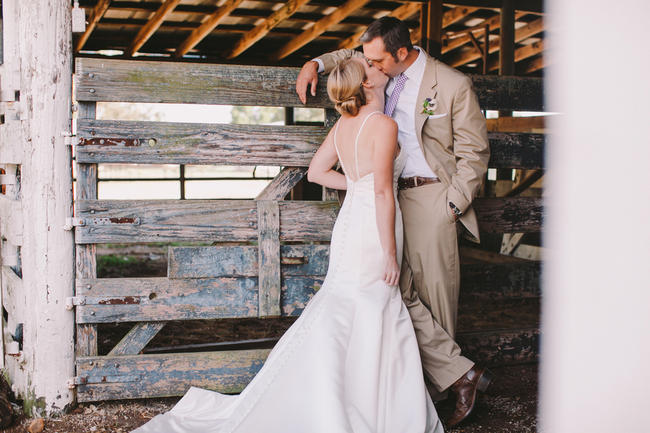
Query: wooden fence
{"x": 275, "y": 277}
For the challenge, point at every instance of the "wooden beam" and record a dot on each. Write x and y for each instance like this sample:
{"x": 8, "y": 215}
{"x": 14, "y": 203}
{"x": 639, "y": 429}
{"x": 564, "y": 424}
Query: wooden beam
{"x": 507, "y": 38}
{"x": 269, "y": 284}
{"x": 494, "y": 23}
{"x": 521, "y": 53}
{"x": 535, "y": 65}
{"x": 501, "y": 347}
{"x": 282, "y": 184}
{"x": 452, "y": 16}
{"x": 491, "y": 281}
{"x": 97, "y": 13}
{"x": 403, "y": 12}
{"x": 152, "y": 25}
{"x": 206, "y": 27}
{"x": 521, "y": 33}
{"x": 432, "y": 32}
{"x": 247, "y": 40}
{"x": 529, "y": 6}
{"x": 319, "y": 27}
{"x": 530, "y": 125}
{"x": 137, "y": 338}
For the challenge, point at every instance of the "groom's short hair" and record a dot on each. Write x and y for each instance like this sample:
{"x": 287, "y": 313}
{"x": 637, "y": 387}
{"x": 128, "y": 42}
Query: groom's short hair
{"x": 392, "y": 31}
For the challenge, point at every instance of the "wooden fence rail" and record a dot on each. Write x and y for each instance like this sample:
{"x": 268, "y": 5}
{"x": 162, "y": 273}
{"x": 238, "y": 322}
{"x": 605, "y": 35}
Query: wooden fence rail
{"x": 199, "y": 83}
{"x": 113, "y": 141}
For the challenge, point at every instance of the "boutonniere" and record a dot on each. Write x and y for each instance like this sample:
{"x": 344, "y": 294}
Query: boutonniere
{"x": 429, "y": 106}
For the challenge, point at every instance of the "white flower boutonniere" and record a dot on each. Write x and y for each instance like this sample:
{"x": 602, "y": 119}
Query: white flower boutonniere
{"x": 429, "y": 106}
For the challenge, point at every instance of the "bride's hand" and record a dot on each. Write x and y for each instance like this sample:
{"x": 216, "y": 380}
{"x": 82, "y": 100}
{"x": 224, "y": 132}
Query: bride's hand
{"x": 391, "y": 270}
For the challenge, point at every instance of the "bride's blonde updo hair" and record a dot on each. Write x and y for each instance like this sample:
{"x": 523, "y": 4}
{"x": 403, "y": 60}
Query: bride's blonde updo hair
{"x": 344, "y": 87}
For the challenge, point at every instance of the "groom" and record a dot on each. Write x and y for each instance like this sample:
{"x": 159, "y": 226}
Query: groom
{"x": 443, "y": 133}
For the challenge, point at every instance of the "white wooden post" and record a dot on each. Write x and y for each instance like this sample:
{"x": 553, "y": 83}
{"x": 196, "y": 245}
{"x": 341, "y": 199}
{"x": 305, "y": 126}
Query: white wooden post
{"x": 596, "y": 311}
{"x": 38, "y": 33}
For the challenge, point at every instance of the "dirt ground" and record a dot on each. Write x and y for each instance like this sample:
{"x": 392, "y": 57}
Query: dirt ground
{"x": 510, "y": 405}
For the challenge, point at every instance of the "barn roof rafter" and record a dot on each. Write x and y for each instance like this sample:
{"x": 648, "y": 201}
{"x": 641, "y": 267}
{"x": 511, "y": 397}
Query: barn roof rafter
{"x": 291, "y": 32}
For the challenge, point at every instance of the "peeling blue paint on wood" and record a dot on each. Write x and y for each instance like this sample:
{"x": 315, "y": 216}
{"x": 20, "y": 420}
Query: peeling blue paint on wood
{"x": 164, "y": 375}
{"x": 236, "y": 261}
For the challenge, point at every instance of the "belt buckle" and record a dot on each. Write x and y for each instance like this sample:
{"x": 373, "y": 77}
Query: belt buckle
{"x": 415, "y": 181}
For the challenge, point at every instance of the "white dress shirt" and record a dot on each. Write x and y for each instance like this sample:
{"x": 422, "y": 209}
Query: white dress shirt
{"x": 404, "y": 115}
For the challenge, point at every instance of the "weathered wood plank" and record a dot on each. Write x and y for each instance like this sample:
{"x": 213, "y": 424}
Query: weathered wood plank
{"x": 501, "y": 347}
{"x": 500, "y": 281}
{"x": 191, "y": 143}
{"x": 139, "y": 376}
{"x": 150, "y": 81}
{"x": 85, "y": 255}
{"x": 133, "y": 221}
{"x": 509, "y": 93}
{"x": 516, "y": 150}
{"x": 109, "y": 300}
{"x": 166, "y": 220}
{"x": 242, "y": 261}
{"x": 214, "y": 261}
{"x": 282, "y": 184}
{"x": 166, "y": 375}
{"x": 268, "y": 226}
{"x": 509, "y": 214}
{"x": 104, "y": 141}
{"x": 137, "y": 338}
{"x": 331, "y": 117}
{"x": 307, "y": 221}
{"x": 155, "y": 299}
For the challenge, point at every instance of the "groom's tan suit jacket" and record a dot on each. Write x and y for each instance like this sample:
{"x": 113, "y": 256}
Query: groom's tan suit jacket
{"x": 453, "y": 139}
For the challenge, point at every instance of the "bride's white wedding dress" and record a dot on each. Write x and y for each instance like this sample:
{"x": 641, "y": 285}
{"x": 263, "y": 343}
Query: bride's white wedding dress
{"x": 349, "y": 364}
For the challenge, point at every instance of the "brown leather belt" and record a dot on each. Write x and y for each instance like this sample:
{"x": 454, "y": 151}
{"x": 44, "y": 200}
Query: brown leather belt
{"x": 412, "y": 182}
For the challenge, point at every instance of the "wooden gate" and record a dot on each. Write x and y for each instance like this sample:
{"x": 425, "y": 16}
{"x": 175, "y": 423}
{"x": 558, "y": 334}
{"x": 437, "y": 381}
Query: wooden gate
{"x": 274, "y": 277}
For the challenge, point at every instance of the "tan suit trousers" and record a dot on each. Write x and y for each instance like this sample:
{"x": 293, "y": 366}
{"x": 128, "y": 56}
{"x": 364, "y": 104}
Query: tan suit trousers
{"x": 430, "y": 281}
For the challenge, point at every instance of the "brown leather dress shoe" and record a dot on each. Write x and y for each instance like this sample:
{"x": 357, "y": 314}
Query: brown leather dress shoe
{"x": 466, "y": 389}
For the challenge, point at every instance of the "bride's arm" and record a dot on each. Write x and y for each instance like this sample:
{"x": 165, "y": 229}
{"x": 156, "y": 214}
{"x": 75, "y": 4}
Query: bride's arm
{"x": 321, "y": 166}
{"x": 385, "y": 145}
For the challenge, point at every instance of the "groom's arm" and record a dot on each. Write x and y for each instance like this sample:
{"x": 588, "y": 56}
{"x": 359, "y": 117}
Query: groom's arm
{"x": 308, "y": 75}
{"x": 471, "y": 147}
{"x": 329, "y": 60}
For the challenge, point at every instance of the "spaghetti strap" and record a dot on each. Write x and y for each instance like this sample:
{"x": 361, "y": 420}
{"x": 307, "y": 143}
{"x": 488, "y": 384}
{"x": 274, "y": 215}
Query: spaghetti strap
{"x": 356, "y": 143}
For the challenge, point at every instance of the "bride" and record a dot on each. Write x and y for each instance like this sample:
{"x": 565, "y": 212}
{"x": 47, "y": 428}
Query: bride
{"x": 350, "y": 363}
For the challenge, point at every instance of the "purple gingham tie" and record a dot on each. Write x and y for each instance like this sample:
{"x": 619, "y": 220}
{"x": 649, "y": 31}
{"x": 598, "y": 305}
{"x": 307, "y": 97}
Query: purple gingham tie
{"x": 392, "y": 99}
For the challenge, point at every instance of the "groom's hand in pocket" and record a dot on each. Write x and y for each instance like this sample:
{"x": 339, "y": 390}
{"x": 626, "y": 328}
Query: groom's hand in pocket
{"x": 308, "y": 76}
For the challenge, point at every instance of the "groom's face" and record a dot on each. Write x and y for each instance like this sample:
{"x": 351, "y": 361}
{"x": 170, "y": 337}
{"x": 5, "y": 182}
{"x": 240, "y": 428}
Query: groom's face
{"x": 376, "y": 54}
